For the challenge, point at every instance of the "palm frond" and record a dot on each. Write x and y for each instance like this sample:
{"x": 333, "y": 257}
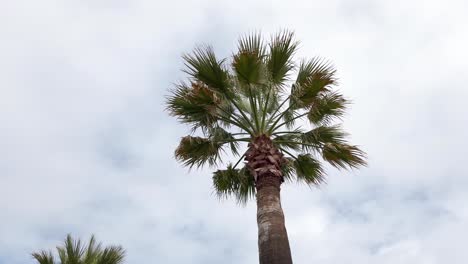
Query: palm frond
{"x": 343, "y": 155}
{"x": 196, "y": 105}
{"x": 234, "y": 182}
{"x": 308, "y": 169}
{"x": 203, "y": 66}
{"x": 289, "y": 117}
{"x": 73, "y": 250}
{"x": 93, "y": 251}
{"x": 273, "y": 102}
{"x": 62, "y": 255}
{"x": 112, "y": 255}
{"x": 279, "y": 60}
{"x": 288, "y": 141}
{"x": 288, "y": 169}
{"x": 315, "y": 138}
{"x": 314, "y": 77}
{"x": 197, "y": 151}
{"x": 327, "y": 107}
{"x": 218, "y": 134}
{"x": 44, "y": 257}
{"x": 248, "y": 62}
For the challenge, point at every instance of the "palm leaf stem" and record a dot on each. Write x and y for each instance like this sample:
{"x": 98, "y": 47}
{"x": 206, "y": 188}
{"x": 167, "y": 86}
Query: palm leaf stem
{"x": 287, "y": 152}
{"x": 241, "y": 112}
{"x": 253, "y": 105}
{"x": 284, "y": 123}
{"x": 286, "y": 132}
{"x": 236, "y": 121}
{"x": 240, "y": 159}
{"x": 298, "y": 143}
{"x": 272, "y": 117}
{"x": 265, "y": 109}
{"x": 242, "y": 133}
{"x": 235, "y": 140}
{"x": 227, "y": 120}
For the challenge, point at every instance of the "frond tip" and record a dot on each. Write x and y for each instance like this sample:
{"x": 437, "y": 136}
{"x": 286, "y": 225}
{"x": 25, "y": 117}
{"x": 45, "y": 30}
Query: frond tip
{"x": 279, "y": 62}
{"x": 44, "y": 257}
{"x": 343, "y": 155}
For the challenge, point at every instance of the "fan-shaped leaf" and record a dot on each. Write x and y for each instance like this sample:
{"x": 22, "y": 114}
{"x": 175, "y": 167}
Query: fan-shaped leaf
{"x": 44, "y": 257}
{"x": 203, "y": 66}
{"x": 235, "y": 182}
{"x": 327, "y": 107}
{"x": 198, "y": 151}
{"x": 314, "y": 77}
{"x": 321, "y": 135}
{"x": 308, "y": 169}
{"x": 279, "y": 61}
{"x": 195, "y": 104}
{"x": 248, "y": 62}
{"x": 343, "y": 155}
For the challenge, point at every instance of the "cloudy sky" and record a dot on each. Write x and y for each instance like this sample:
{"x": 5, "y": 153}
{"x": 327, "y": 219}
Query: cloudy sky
{"x": 86, "y": 147}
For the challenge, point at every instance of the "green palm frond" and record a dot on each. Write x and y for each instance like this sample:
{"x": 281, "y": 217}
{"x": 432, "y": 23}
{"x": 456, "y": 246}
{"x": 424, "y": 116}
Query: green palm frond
{"x": 314, "y": 77}
{"x": 198, "y": 151}
{"x": 203, "y": 66}
{"x": 44, "y": 257}
{"x": 75, "y": 252}
{"x": 289, "y": 118}
{"x": 93, "y": 251}
{"x": 327, "y": 107}
{"x": 279, "y": 61}
{"x": 112, "y": 255}
{"x": 288, "y": 169}
{"x": 248, "y": 62}
{"x": 308, "y": 169}
{"x": 195, "y": 104}
{"x": 343, "y": 155}
{"x": 288, "y": 141}
{"x": 317, "y": 137}
{"x": 234, "y": 182}
{"x": 273, "y": 102}
{"x": 218, "y": 134}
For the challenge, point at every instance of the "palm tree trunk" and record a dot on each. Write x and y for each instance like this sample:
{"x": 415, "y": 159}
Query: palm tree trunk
{"x": 273, "y": 241}
{"x": 264, "y": 163}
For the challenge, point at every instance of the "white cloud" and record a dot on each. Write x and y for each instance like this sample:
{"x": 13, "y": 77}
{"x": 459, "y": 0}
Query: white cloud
{"x": 87, "y": 148}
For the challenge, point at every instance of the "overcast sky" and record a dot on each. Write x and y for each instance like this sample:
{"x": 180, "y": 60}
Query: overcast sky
{"x": 86, "y": 146}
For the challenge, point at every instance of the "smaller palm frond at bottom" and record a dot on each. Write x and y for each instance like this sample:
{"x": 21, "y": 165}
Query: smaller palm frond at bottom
{"x": 75, "y": 252}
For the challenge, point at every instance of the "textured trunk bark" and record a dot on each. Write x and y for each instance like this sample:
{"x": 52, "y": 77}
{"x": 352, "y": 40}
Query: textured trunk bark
{"x": 264, "y": 162}
{"x": 273, "y": 243}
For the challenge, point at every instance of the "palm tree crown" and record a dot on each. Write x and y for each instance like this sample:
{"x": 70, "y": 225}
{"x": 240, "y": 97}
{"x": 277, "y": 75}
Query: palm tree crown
{"x": 253, "y": 95}
{"x": 75, "y": 252}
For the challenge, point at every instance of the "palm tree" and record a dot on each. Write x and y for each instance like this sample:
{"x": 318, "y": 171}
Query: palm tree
{"x": 251, "y": 98}
{"x": 74, "y": 252}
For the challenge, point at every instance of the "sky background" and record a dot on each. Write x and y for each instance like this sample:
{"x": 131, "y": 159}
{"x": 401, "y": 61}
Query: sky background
{"x": 86, "y": 146}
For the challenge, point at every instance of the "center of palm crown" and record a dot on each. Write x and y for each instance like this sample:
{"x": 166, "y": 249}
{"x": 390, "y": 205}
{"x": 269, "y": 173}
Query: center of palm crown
{"x": 264, "y": 161}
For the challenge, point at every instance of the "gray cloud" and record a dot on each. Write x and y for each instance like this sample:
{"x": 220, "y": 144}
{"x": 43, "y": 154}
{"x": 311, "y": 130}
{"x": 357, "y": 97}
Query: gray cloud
{"x": 87, "y": 148}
